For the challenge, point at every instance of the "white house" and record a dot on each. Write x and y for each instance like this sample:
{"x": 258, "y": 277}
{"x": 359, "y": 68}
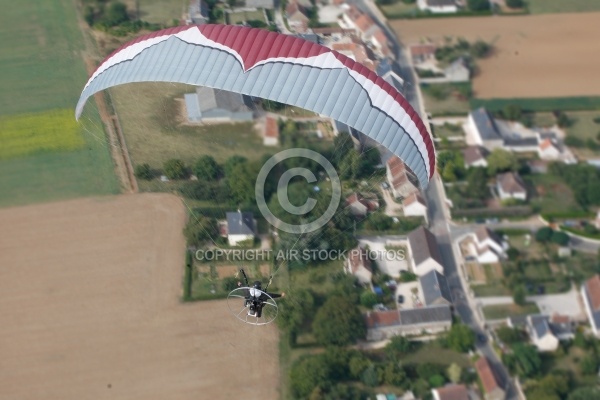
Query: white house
{"x": 540, "y": 333}
{"x": 360, "y": 205}
{"x": 511, "y": 186}
{"x": 424, "y": 251}
{"x": 359, "y": 265}
{"x": 414, "y": 206}
{"x": 484, "y": 130}
{"x": 590, "y": 293}
{"x": 487, "y": 246}
{"x": 240, "y": 227}
{"x": 475, "y": 156}
{"x": 438, "y": 6}
{"x": 402, "y": 181}
{"x": 547, "y": 150}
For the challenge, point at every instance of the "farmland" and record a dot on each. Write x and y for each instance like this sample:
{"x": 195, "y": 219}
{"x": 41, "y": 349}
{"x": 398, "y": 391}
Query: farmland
{"x": 534, "y": 55}
{"x": 42, "y": 70}
{"x": 560, "y": 6}
{"x": 95, "y": 310}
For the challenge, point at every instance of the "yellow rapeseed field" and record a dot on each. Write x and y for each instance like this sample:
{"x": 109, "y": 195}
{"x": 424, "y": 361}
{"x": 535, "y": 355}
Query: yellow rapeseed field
{"x": 27, "y": 134}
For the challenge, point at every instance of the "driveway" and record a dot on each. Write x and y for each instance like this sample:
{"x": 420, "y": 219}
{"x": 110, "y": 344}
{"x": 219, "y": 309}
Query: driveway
{"x": 392, "y": 209}
{"x": 388, "y": 262}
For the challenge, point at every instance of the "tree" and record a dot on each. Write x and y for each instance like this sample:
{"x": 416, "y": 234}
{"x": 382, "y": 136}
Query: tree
{"x": 477, "y": 183}
{"x": 116, "y": 14}
{"x": 232, "y": 162}
{"x": 241, "y": 182}
{"x": 481, "y": 49}
{"x": 501, "y": 160}
{"x": 437, "y": 380}
{"x": 589, "y": 364}
{"x": 585, "y": 393}
{"x": 358, "y": 363}
{"x": 560, "y": 238}
{"x": 207, "y": 168}
{"x": 478, "y": 5}
{"x": 392, "y": 374}
{"x": 513, "y": 253}
{"x": 338, "y": 322}
{"x": 461, "y": 338}
{"x": 295, "y": 309}
{"x": 378, "y": 221}
{"x": 519, "y": 295}
{"x": 368, "y": 299}
{"x": 454, "y": 372}
{"x": 515, "y": 3}
{"x": 308, "y": 373}
{"x": 342, "y": 144}
{"x": 143, "y": 171}
{"x": 369, "y": 376}
{"x": 512, "y": 112}
{"x": 174, "y": 169}
{"x": 525, "y": 360}
{"x": 544, "y": 234}
{"x": 200, "y": 229}
{"x": 399, "y": 346}
{"x": 350, "y": 165}
{"x": 509, "y": 335}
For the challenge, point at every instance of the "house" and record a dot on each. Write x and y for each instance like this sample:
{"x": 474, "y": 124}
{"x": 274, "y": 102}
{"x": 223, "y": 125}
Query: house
{"x": 390, "y": 72}
{"x": 491, "y": 387}
{"x": 541, "y": 334}
{"x": 364, "y": 27}
{"x": 484, "y": 130}
{"x": 212, "y": 105}
{"x": 355, "y": 51}
{"x": 271, "y": 136}
{"x": 562, "y": 327}
{"x": 487, "y": 237}
{"x": 475, "y": 156}
{"x": 360, "y": 205}
{"x": 435, "y": 289}
{"x": 486, "y": 246}
{"x": 296, "y": 15}
{"x": 422, "y": 54}
{"x": 414, "y": 206}
{"x": 590, "y": 292}
{"x": 457, "y": 71}
{"x": 402, "y": 181}
{"x": 359, "y": 265}
{"x": 511, "y": 186}
{"x": 424, "y": 251}
{"x": 240, "y": 227}
{"x": 386, "y": 324}
{"x": 548, "y": 150}
{"x": 198, "y": 12}
{"x": 451, "y": 392}
{"x": 268, "y": 4}
{"x": 438, "y": 6}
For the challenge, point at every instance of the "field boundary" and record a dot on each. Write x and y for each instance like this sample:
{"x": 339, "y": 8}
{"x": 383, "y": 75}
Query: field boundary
{"x": 575, "y": 103}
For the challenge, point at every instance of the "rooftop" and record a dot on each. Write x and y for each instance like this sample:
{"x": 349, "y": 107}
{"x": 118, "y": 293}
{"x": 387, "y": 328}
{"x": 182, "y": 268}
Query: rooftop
{"x": 359, "y": 258}
{"x": 453, "y": 392}
{"x": 483, "y": 233}
{"x": 271, "y": 128}
{"x": 486, "y": 374}
{"x": 485, "y": 124}
{"x": 435, "y": 288}
{"x": 424, "y": 246}
{"x": 381, "y": 319}
{"x": 426, "y": 315}
{"x": 240, "y": 223}
{"x": 472, "y": 154}
{"x": 510, "y": 182}
{"x": 413, "y": 198}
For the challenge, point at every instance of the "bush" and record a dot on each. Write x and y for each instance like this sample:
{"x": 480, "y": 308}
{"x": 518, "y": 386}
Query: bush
{"x": 560, "y": 238}
{"x": 544, "y": 234}
{"x": 143, "y": 171}
{"x": 368, "y": 299}
{"x": 515, "y": 3}
{"x": 174, "y": 169}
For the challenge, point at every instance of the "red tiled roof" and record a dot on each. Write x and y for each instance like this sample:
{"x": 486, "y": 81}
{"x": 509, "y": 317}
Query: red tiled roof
{"x": 359, "y": 258}
{"x": 271, "y": 128}
{"x": 412, "y": 198}
{"x": 593, "y": 290}
{"x": 422, "y": 49}
{"x": 376, "y": 319}
{"x": 488, "y": 379}
{"x": 453, "y": 392}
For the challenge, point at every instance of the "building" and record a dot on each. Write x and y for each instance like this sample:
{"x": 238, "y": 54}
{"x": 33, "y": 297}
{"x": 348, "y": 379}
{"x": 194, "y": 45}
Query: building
{"x": 414, "y": 206}
{"x": 475, "y": 156}
{"x": 198, "y": 12}
{"x": 360, "y": 206}
{"x": 451, "y": 392}
{"x": 511, "y": 186}
{"x": 240, "y": 227}
{"x": 212, "y": 105}
{"x": 435, "y": 289}
{"x": 423, "y": 54}
{"x": 296, "y": 15}
{"x": 364, "y": 27}
{"x": 271, "y": 135}
{"x": 540, "y": 333}
{"x": 548, "y": 150}
{"x": 383, "y": 325}
{"x": 483, "y": 127}
{"x": 590, "y": 292}
{"x": 359, "y": 265}
{"x": 486, "y": 246}
{"x": 424, "y": 251}
{"x": 402, "y": 181}
{"x": 491, "y": 387}
{"x": 438, "y": 6}
{"x": 390, "y": 72}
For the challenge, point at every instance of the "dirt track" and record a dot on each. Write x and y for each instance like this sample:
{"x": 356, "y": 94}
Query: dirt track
{"x": 89, "y": 309}
{"x": 536, "y": 55}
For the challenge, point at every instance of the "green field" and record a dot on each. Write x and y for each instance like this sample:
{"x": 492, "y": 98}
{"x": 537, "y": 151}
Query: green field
{"x": 160, "y": 11}
{"x": 41, "y": 70}
{"x": 552, "y": 195}
{"x": 243, "y": 16}
{"x": 443, "y": 99}
{"x": 506, "y": 310}
{"x": 558, "y": 6}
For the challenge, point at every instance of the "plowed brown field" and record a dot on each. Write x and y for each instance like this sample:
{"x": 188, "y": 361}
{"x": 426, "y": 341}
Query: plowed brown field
{"x": 89, "y": 309}
{"x": 551, "y": 55}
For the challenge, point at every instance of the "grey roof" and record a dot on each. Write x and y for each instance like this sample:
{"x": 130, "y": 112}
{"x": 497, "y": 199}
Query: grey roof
{"x": 311, "y": 37}
{"x": 210, "y": 99}
{"x": 539, "y": 325}
{"x": 435, "y": 288}
{"x": 520, "y": 142}
{"x": 240, "y": 223}
{"x": 440, "y": 3}
{"x": 485, "y": 124}
{"x": 260, "y": 3}
{"x": 518, "y": 321}
{"x": 426, "y": 315}
{"x": 390, "y": 72}
{"x": 595, "y": 310}
{"x": 424, "y": 245}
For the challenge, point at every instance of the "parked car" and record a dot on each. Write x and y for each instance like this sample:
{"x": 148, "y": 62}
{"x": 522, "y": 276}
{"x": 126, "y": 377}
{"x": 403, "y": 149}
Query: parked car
{"x": 400, "y": 298}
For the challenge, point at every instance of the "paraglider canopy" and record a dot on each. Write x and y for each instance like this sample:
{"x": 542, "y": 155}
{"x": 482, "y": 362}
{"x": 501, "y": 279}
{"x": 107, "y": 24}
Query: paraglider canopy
{"x": 277, "y": 67}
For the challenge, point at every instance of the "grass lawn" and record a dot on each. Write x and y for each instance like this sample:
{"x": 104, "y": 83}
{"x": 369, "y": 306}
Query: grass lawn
{"x": 440, "y": 101}
{"x": 42, "y": 71}
{"x": 150, "y": 114}
{"x": 552, "y": 195}
{"x": 489, "y": 290}
{"x": 160, "y": 11}
{"x": 557, "y": 6}
{"x": 584, "y": 128}
{"x": 506, "y": 310}
{"x": 543, "y": 119}
{"x": 398, "y": 9}
{"x": 243, "y": 16}
{"x": 448, "y": 130}
{"x": 434, "y": 353}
